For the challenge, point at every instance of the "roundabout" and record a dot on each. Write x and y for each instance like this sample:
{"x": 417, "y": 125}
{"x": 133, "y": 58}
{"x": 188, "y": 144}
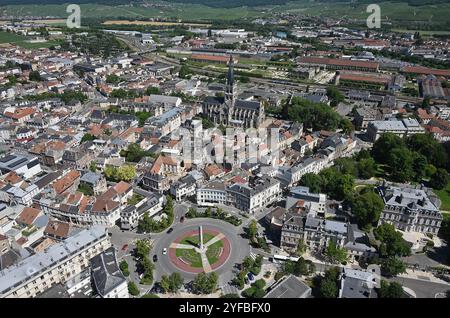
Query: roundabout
{"x": 200, "y": 251}
{"x": 220, "y": 249}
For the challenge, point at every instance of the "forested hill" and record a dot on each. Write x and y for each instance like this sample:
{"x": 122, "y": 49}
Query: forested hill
{"x": 211, "y": 3}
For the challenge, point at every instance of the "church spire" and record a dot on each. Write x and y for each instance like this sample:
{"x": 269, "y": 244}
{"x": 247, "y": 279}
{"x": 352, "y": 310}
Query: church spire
{"x": 230, "y": 76}
{"x": 230, "y": 87}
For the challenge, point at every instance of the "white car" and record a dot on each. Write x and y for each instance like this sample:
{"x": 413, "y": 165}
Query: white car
{"x": 164, "y": 251}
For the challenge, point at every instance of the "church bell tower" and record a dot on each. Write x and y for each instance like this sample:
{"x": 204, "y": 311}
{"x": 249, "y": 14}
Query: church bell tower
{"x": 230, "y": 91}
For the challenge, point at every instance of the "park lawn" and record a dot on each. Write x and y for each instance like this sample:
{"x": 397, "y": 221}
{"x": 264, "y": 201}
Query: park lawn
{"x": 213, "y": 252}
{"x": 444, "y": 196}
{"x": 193, "y": 240}
{"x": 190, "y": 256}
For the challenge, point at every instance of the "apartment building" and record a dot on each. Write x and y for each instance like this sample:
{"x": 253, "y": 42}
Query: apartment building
{"x": 58, "y": 264}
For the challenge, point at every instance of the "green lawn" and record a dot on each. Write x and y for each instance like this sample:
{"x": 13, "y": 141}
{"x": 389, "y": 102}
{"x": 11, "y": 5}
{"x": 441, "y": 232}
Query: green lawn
{"x": 193, "y": 240}
{"x": 194, "y": 258}
{"x": 6, "y": 37}
{"x": 213, "y": 252}
{"x": 444, "y": 196}
{"x": 190, "y": 256}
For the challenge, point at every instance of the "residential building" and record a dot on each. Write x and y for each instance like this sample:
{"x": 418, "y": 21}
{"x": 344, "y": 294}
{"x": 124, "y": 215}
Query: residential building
{"x": 107, "y": 277}
{"x": 57, "y": 264}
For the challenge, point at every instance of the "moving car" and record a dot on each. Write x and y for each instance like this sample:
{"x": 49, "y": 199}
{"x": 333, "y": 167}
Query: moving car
{"x": 170, "y": 230}
{"x": 164, "y": 251}
{"x": 155, "y": 258}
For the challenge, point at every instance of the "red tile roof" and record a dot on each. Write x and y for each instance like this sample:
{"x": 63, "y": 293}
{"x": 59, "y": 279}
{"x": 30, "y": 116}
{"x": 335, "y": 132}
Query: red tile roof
{"x": 28, "y": 216}
{"x": 425, "y": 71}
{"x": 66, "y": 182}
{"x": 338, "y": 62}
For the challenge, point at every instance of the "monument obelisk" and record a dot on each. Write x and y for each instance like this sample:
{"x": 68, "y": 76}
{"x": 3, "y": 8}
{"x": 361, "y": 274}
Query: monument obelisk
{"x": 201, "y": 238}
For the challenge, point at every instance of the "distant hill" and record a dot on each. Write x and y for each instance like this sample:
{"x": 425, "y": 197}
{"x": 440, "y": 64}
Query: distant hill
{"x": 211, "y": 3}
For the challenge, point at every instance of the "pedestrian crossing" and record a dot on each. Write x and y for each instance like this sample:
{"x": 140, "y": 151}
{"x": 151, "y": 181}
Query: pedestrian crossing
{"x": 229, "y": 289}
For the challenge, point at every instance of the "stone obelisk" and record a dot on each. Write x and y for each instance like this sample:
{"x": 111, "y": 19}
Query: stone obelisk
{"x": 201, "y": 238}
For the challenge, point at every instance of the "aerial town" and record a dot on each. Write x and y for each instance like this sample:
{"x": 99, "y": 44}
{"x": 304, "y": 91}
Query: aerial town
{"x": 283, "y": 158}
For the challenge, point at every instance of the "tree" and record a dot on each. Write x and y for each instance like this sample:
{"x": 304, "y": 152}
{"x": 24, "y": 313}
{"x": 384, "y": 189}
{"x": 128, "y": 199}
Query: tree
{"x": 400, "y": 161}
{"x": 418, "y": 165}
{"x": 87, "y": 137}
{"x": 439, "y": 179}
{"x": 152, "y": 90}
{"x": 204, "y": 283}
{"x": 367, "y": 208}
{"x": 93, "y": 166}
{"x": 113, "y": 79}
{"x": 298, "y": 268}
{"x": 171, "y": 283}
{"x": 334, "y": 253}
{"x": 133, "y": 153}
{"x": 392, "y": 266}
{"x": 184, "y": 72}
{"x": 384, "y": 144}
{"x": 346, "y": 166}
{"x": 252, "y": 230}
{"x": 392, "y": 242}
{"x": 143, "y": 248}
{"x": 123, "y": 265}
{"x": 86, "y": 189}
{"x": 328, "y": 289}
{"x": 318, "y": 116}
{"x": 426, "y": 102}
{"x": 366, "y": 168}
{"x": 328, "y": 284}
{"x": 301, "y": 247}
{"x": 335, "y": 95}
{"x": 35, "y": 76}
{"x": 312, "y": 181}
{"x": 132, "y": 289}
{"x": 123, "y": 173}
{"x": 390, "y": 290}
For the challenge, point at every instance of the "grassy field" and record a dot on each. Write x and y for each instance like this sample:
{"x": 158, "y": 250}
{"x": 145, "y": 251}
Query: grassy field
{"x": 390, "y": 11}
{"x": 444, "y": 196}
{"x": 176, "y": 11}
{"x": 422, "y": 32}
{"x": 153, "y": 23}
{"x": 20, "y": 40}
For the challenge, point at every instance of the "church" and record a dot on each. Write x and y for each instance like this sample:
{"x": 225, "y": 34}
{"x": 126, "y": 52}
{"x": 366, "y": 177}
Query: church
{"x": 230, "y": 111}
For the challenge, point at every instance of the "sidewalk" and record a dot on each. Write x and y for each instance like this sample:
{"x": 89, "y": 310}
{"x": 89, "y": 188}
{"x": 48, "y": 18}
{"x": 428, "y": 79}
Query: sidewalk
{"x": 420, "y": 275}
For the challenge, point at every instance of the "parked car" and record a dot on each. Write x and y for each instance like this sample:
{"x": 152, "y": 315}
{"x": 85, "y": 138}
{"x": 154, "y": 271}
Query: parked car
{"x": 251, "y": 277}
{"x": 170, "y": 230}
{"x": 155, "y": 258}
{"x": 164, "y": 251}
{"x": 124, "y": 248}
